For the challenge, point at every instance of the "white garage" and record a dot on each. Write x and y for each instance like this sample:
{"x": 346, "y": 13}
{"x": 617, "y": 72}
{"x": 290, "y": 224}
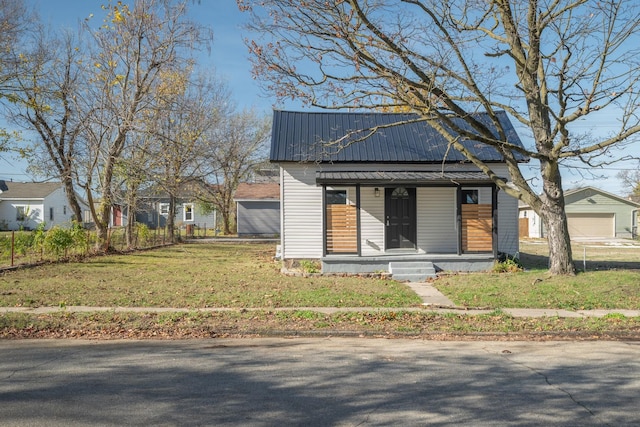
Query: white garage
{"x": 591, "y": 225}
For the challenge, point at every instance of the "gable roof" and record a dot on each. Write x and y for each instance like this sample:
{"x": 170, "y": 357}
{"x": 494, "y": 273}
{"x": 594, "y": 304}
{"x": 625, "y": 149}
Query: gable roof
{"x": 302, "y": 136}
{"x": 257, "y": 191}
{"x": 576, "y": 191}
{"x": 27, "y": 190}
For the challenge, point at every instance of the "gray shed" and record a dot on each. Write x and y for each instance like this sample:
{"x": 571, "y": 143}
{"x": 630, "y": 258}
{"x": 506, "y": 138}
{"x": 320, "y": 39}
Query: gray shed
{"x": 258, "y": 209}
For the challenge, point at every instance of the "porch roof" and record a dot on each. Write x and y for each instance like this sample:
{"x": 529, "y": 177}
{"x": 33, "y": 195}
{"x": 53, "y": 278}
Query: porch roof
{"x": 371, "y": 178}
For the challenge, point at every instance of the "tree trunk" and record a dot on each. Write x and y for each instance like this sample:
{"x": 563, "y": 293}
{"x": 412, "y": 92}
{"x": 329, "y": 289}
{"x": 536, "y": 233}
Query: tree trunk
{"x": 72, "y": 199}
{"x": 130, "y": 229}
{"x": 555, "y": 219}
{"x": 171, "y": 219}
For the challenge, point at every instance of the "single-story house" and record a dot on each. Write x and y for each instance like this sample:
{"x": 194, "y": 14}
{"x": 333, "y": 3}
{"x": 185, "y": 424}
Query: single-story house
{"x": 153, "y": 211}
{"x": 26, "y": 205}
{"x": 399, "y": 199}
{"x": 591, "y": 213}
{"x": 153, "y": 208}
{"x": 258, "y": 209}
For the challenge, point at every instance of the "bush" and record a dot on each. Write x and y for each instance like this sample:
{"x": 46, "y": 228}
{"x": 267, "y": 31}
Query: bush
{"x": 59, "y": 240}
{"x": 309, "y": 266}
{"x": 509, "y": 265}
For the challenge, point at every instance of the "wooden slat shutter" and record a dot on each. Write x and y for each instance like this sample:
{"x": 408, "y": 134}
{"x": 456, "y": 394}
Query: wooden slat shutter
{"x": 342, "y": 232}
{"x": 477, "y": 233}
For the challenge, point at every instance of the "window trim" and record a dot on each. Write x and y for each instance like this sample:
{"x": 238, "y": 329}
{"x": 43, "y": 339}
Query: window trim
{"x": 334, "y": 192}
{"x": 188, "y": 208}
{"x": 473, "y": 191}
{"x": 21, "y": 213}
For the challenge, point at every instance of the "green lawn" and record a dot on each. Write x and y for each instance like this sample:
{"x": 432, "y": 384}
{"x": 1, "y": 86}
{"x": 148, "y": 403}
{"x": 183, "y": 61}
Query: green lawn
{"x": 193, "y": 276}
{"x": 245, "y": 275}
{"x": 611, "y": 281}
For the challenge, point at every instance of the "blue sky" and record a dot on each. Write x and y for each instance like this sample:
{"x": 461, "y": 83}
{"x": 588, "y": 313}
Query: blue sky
{"x": 229, "y": 58}
{"x": 228, "y": 55}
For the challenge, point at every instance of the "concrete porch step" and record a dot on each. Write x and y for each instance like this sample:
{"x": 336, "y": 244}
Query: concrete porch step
{"x": 412, "y": 271}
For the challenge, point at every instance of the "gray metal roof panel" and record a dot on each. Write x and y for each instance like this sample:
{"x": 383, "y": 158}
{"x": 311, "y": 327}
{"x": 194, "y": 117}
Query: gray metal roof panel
{"x": 399, "y": 177}
{"x": 307, "y": 136}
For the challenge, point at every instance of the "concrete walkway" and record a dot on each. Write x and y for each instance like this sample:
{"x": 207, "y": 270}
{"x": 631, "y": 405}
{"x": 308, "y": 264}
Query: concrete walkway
{"x": 433, "y": 300}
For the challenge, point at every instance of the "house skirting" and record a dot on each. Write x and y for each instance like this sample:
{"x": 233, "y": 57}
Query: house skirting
{"x": 441, "y": 262}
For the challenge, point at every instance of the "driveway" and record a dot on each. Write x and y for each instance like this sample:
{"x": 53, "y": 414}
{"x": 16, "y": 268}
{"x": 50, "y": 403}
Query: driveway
{"x": 323, "y": 382}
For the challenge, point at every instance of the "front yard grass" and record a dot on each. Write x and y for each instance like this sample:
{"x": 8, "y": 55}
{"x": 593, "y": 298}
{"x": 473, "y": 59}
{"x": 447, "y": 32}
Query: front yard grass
{"x": 193, "y": 276}
{"x": 611, "y": 281}
{"x": 244, "y": 278}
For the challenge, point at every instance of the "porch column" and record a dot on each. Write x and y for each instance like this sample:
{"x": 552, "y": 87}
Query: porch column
{"x": 459, "y": 218}
{"x": 494, "y": 216}
{"x": 324, "y": 220}
{"x": 358, "y": 231}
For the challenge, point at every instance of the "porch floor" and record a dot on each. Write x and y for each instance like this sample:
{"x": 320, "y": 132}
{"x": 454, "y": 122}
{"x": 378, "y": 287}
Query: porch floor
{"x": 441, "y": 262}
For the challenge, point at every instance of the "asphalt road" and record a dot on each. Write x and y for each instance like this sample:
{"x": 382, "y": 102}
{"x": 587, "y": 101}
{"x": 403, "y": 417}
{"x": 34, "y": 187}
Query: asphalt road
{"x": 323, "y": 382}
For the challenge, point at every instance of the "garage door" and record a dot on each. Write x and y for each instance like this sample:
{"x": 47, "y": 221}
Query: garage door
{"x": 591, "y": 225}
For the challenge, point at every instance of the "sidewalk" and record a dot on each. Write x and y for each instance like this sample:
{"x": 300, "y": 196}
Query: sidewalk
{"x": 433, "y": 301}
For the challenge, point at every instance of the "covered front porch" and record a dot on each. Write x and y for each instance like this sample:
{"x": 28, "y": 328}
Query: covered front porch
{"x": 374, "y": 220}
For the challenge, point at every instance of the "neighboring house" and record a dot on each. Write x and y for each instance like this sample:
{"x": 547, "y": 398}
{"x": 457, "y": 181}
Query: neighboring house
{"x": 591, "y": 213}
{"x": 529, "y": 222}
{"x": 399, "y": 194}
{"x": 153, "y": 211}
{"x": 25, "y": 205}
{"x": 258, "y": 209}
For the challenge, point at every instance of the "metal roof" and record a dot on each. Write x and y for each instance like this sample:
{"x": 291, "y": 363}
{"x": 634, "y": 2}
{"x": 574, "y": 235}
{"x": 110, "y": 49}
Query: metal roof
{"x": 401, "y": 178}
{"x": 307, "y": 137}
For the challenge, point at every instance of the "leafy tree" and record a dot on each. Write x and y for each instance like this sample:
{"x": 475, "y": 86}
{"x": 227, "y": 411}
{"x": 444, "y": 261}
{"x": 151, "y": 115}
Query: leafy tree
{"x": 548, "y": 63}
{"x": 131, "y": 51}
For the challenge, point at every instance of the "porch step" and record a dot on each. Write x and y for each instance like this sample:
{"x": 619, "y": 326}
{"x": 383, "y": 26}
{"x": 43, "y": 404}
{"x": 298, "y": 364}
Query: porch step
{"x": 412, "y": 271}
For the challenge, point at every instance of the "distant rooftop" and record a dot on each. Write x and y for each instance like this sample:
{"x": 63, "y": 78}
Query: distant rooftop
{"x": 27, "y": 190}
{"x": 258, "y": 191}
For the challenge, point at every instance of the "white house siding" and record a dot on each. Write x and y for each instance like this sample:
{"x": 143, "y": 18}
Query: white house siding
{"x": 301, "y": 207}
{"x": 371, "y": 221}
{"x": 62, "y": 214}
{"x": 436, "y": 210}
{"x": 9, "y": 212}
{"x": 535, "y": 223}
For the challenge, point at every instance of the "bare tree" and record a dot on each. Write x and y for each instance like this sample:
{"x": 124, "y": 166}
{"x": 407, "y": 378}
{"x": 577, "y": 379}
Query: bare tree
{"x": 48, "y": 80}
{"x": 187, "y": 111}
{"x": 131, "y": 51}
{"x": 548, "y": 63}
{"x": 15, "y": 22}
{"x": 237, "y": 146}
{"x": 631, "y": 181}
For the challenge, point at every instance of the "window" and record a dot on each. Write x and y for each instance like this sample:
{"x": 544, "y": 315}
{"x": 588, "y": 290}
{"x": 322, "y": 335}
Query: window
{"x": 164, "y": 208}
{"x": 21, "y": 214}
{"x": 336, "y": 197}
{"x": 188, "y": 212}
{"x": 64, "y": 210}
{"x": 400, "y": 193}
{"x": 50, "y": 214}
{"x": 469, "y": 197}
